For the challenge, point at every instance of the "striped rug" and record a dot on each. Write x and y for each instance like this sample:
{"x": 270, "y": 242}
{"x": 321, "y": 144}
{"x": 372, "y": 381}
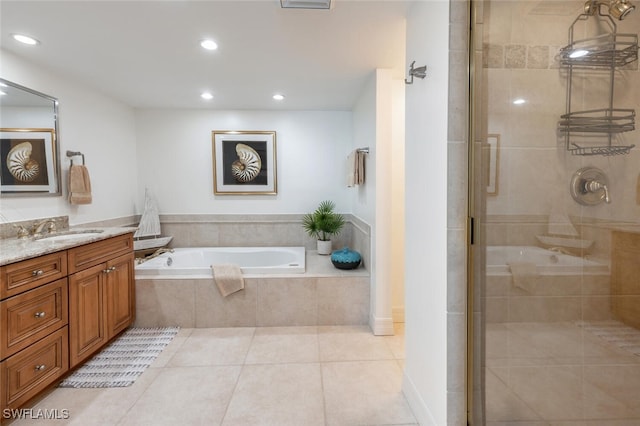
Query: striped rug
{"x": 123, "y": 361}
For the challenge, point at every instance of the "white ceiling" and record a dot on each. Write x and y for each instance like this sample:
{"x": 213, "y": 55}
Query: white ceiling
{"x": 147, "y": 53}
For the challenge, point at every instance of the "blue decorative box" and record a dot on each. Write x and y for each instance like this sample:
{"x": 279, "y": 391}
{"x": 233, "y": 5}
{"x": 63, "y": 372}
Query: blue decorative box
{"x": 345, "y": 258}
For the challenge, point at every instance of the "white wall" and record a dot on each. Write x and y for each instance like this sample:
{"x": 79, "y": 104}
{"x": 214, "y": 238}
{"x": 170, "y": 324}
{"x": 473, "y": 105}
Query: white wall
{"x": 425, "y": 383}
{"x": 100, "y": 127}
{"x": 175, "y": 159}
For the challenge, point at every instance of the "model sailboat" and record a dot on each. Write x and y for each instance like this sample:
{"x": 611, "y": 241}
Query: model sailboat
{"x": 148, "y": 234}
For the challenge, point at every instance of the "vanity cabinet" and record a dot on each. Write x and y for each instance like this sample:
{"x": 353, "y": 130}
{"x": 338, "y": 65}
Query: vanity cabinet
{"x": 58, "y": 309}
{"x": 101, "y": 294}
{"x": 625, "y": 277}
{"x": 34, "y": 350}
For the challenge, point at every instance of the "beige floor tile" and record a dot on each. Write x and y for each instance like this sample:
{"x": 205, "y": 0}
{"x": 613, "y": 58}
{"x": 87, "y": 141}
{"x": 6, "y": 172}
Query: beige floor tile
{"x": 213, "y": 346}
{"x": 502, "y": 404}
{"x": 278, "y": 395}
{"x": 185, "y": 396}
{"x": 364, "y": 393}
{"x": 169, "y": 351}
{"x": 278, "y": 345}
{"x": 99, "y": 407}
{"x": 351, "y": 343}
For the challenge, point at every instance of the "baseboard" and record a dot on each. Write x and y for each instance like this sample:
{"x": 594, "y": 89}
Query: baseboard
{"x": 397, "y": 313}
{"x": 381, "y": 326}
{"x": 420, "y": 410}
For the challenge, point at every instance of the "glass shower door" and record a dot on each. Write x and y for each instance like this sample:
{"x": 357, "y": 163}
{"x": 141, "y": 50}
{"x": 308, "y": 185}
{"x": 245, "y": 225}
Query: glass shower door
{"x": 556, "y": 261}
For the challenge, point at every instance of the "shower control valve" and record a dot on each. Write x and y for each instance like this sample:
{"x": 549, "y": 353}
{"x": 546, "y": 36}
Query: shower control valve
{"x": 590, "y": 186}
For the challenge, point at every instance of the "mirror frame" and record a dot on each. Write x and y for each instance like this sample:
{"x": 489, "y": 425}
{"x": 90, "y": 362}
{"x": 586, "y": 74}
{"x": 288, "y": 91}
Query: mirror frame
{"x": 48, "y": 148}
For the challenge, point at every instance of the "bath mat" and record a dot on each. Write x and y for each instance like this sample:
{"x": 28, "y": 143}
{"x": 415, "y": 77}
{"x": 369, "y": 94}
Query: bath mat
{"x": 123, "y": 361}
{"x": 616, "y": 333}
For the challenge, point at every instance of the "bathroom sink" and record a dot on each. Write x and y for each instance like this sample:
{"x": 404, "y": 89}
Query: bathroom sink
{"x": 69, "y": 236}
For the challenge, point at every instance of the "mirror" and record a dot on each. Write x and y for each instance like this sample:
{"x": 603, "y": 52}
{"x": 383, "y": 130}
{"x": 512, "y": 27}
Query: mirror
{"x": 29, "y": 148}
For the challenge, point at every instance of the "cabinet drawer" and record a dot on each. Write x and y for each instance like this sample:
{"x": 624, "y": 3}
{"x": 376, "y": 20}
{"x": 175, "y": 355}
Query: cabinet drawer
{"x": 92, "y": 254}
{"x": 33, "y": 369}
{"x": 22, "y": 276}
{"x": 32, "y": 315}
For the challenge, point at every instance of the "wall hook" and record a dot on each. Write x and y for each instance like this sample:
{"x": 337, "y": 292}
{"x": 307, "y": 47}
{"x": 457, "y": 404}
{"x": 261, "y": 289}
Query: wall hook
{"x": 420, "y": 72}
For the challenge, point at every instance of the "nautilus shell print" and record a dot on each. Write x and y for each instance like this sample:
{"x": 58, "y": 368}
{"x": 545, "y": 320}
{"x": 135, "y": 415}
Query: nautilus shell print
{"x": 248, "y": 165}
{"x": 21, "y": 165}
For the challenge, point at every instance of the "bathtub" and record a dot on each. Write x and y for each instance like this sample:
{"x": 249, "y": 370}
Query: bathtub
{"x": 548, "y": 262}
{"x": 195, "y": 262}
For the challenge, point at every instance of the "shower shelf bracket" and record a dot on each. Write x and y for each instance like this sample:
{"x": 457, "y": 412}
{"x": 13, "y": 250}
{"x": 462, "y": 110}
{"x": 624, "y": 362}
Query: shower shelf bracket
{"x": 595, "y": 128}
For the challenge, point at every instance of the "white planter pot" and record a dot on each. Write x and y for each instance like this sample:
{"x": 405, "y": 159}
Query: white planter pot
{"x": 324, "y": 247}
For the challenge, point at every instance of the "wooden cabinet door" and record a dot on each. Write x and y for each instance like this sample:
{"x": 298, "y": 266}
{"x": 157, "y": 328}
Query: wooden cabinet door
{"x": 120, "y": 287}
{"x": 87, "y": 328}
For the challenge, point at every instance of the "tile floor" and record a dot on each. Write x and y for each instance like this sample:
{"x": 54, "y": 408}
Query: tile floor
{"x": 560, "y": 374}
{"x": 302, "y": 376}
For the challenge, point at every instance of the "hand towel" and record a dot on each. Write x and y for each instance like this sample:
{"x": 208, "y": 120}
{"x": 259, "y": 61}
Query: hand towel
{"x": 351, "y": 169}
{"x": 355, "y": 168}
{"x": 360, "y": 167}
{"x": 524, "y": 275}
{"x": 79, "y": 184}
{"x": 228, "y": 278}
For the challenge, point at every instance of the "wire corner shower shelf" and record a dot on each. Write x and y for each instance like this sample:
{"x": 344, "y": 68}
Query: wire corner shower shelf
{"x": 604, "y": 52}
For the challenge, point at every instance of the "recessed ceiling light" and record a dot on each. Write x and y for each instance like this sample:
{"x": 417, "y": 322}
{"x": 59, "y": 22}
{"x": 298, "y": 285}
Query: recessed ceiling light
{"x": 519, "y": 101}
{"x": 209, "y": 44}
{"x": 25, "y": 39}
{"x": 278, "y": 97}
{"x": 207, "y": 96}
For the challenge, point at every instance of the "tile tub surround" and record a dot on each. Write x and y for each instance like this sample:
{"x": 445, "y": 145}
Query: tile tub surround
{"x": 321, "y": 296}
{"x": 237, "y": 230}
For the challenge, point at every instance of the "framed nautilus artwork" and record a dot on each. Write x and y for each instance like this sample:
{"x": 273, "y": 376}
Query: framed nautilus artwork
{"x": 28, "y": 161}
{"x": 244, "y": 162}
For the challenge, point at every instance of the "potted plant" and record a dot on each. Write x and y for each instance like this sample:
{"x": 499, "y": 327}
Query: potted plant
{"x": 322, "y": 224}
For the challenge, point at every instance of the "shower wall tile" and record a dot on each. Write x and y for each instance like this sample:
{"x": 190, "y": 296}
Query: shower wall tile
{"x": 493, "y": 56}
{"x": 538, "y": 57}
{"x": 515, "y": 56}
{"x": 545, "y": 309}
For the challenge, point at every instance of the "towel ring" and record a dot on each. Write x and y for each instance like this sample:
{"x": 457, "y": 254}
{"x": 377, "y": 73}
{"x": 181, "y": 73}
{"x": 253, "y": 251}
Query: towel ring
{"x": 72, "y": 154}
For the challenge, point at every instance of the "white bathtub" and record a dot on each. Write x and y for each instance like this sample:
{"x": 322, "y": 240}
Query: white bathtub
{"x": 196, "y": 261}
{"x": 548, "y": 262}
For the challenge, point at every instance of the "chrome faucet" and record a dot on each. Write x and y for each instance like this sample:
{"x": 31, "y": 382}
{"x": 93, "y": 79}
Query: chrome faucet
{"x": 49, "y": 225}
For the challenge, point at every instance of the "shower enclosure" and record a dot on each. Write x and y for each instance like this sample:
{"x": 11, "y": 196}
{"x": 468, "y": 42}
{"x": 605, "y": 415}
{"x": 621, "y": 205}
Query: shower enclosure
{"x": 556, "y": 203}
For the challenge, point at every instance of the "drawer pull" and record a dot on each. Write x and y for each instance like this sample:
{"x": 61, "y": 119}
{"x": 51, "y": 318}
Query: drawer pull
{"x": 37, "y": 273}
{"x": 40, "y": 367}
{"x": 39, "y": 314}
{"x": 109, "y": 270}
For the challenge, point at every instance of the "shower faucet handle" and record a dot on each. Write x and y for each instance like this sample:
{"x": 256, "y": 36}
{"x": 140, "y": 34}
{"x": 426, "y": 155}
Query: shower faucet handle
{"x": 596, "y": 186}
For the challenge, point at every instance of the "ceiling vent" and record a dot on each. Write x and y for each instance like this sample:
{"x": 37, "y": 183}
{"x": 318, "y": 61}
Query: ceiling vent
{"x": 305, "y": 4}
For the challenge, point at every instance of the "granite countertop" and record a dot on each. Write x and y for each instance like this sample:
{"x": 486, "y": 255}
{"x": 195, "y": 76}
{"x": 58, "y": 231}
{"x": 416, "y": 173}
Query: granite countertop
{"x": 14, "y": 249}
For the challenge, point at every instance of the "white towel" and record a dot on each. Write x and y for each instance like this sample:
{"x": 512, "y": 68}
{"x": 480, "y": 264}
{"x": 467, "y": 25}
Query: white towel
{"x": 228, "y": 278}
{"x": 79, "y": 185}
{"x": 524, "y": 275}
{"x": 355, "y": 168}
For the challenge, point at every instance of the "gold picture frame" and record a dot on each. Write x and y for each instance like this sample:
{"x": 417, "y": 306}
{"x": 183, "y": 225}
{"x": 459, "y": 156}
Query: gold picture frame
{"x": 244, "y": 162}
